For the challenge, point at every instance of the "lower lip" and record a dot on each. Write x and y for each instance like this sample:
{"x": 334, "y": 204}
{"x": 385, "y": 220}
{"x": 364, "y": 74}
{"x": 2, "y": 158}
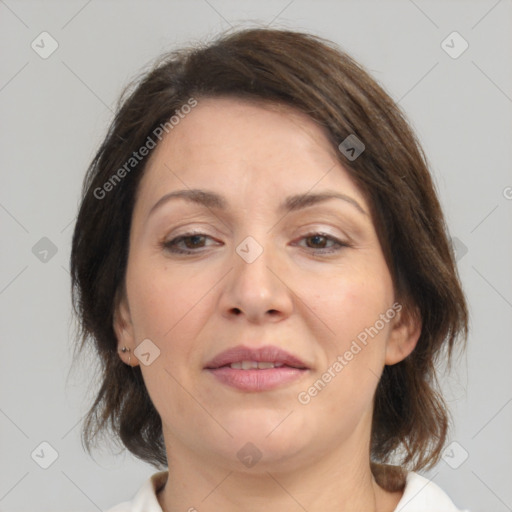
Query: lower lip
{"x": 257, "y": 380}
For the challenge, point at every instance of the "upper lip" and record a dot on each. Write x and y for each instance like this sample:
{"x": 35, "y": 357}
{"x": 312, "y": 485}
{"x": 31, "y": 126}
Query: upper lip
{"x": 267, "y": 353}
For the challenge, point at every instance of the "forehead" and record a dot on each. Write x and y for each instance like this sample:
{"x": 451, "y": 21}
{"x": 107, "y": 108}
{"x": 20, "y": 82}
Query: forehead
{"x": 216, "y": 115}
{"x": 248, "y": 148}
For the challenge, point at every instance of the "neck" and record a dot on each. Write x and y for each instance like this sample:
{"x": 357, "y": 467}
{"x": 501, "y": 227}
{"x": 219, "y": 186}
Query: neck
{"x": 195, "y": 485}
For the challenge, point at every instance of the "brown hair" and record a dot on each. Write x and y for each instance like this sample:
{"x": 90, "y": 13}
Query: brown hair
{"x": 314, "y": 76}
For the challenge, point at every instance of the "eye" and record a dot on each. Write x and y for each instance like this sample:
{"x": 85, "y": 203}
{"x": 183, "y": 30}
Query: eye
{"x": 190, "y": 243}
{"x": 319, "y": 243}
{"x": 187, "y": 243}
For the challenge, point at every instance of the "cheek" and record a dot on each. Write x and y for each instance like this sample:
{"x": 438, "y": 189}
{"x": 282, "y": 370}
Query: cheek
{"x": 163, "y": 302}
{"x": 352, "y": 306}
{"x": 349, "y": 302}
{"x": 169, "y": 308}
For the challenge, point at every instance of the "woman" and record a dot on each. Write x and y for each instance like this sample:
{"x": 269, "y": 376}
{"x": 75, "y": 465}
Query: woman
{"x": 261, "y": 263}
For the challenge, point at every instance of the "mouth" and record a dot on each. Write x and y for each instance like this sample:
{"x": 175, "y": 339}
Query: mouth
{"x": 254, "y": 365}
{"x": 263, "y": 358}
{"x": 261, "y": 369}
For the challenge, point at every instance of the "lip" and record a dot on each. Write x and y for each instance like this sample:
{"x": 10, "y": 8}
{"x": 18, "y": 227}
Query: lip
{"x": 258, "y": 379}
{"x": 268, "y": 353}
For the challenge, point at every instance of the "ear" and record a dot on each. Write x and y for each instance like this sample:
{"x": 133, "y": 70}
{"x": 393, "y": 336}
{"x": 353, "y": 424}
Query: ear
{"x": 405, "y": 332}
{"x": 123, "y": 329}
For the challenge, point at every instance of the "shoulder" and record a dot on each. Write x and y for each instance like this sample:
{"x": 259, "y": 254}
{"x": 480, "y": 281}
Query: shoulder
{"x": 423, "y": 495}
{"x": 145, "y": 500}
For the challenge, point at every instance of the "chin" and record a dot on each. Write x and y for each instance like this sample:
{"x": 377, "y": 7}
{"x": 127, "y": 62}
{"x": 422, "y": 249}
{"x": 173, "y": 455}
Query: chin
{"x": 269, "y": 436}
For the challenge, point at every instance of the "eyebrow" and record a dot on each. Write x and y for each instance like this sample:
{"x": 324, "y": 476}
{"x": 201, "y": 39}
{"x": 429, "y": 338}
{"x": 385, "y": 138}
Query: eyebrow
{"x": 291, "y": 203}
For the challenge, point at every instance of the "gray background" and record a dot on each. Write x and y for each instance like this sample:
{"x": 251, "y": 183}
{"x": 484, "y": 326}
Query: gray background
{"x": 55, "y": 111}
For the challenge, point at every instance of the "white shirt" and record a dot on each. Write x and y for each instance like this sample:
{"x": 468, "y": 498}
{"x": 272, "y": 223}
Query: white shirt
{"x": 420, "y": 495}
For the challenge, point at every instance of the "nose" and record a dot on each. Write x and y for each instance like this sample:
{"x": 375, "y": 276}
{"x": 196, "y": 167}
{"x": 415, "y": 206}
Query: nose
{"x": 257, "y": 291}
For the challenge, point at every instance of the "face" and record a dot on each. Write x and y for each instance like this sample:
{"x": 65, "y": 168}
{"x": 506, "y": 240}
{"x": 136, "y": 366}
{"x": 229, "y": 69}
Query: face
{"x": 248, "y": 264}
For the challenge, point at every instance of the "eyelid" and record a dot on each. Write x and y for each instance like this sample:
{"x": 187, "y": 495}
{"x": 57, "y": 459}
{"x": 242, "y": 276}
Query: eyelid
{"x": 327, "y": 229}
{"x": 167, "y": 242}
{"x": 197, "y": 228}
{"x": 337, "y": 241}
{"x": 170, "y": 244}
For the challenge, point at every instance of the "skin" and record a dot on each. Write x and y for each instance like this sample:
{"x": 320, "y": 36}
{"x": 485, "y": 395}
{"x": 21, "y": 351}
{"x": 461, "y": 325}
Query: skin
{"x": 312, "y": 304}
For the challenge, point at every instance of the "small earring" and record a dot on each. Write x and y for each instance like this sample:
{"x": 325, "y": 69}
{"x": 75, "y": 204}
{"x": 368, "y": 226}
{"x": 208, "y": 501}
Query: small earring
{"x": 124, "y": 350}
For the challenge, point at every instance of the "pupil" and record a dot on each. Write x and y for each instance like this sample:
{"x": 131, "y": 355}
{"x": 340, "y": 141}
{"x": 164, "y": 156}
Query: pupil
{"x": 317, "y": 239}
{"x": 195, "y": 239}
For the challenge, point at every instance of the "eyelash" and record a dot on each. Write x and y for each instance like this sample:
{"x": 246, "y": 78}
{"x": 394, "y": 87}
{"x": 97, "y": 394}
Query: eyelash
{"x": 171, "y": 244}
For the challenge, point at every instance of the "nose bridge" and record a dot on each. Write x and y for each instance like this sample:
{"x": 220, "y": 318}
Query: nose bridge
{"x": 252, "y": 267}
{"x": 254, "y": 289}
